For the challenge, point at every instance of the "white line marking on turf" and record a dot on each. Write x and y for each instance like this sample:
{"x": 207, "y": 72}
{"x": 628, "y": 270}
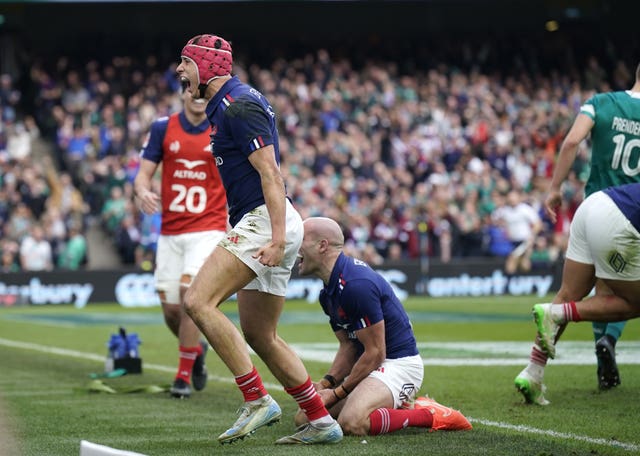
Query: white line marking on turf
{"x": 560, "y": 435}
{"x": 504, "y": 353}
{"x": 322, "y": 348}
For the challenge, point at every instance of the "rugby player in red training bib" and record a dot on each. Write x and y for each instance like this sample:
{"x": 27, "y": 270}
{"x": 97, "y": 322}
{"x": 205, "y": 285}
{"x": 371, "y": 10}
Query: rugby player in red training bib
{"x": 194, "y": 220}
{"x": 256, "y": 256}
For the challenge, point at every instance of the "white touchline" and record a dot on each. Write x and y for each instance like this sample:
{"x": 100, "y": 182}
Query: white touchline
{"x": 561, "y": 435}
{"x": 504, "y": 353}
{"x": 322, "y": 347}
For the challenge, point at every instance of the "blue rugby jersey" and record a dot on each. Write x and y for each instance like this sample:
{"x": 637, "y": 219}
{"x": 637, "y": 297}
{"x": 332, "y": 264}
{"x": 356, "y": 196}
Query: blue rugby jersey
{"x": 357, "y": 297}
{"x": 627, "y": 198}
{"x": 242, "y": 121}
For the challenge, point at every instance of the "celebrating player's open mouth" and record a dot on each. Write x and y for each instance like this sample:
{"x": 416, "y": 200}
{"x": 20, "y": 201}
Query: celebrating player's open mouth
{"x": 186, "y": 71}
{"x": 186, "y": 84}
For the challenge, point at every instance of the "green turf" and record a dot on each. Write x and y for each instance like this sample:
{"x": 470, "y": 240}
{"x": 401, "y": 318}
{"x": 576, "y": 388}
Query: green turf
{"x": 49, "y": 413}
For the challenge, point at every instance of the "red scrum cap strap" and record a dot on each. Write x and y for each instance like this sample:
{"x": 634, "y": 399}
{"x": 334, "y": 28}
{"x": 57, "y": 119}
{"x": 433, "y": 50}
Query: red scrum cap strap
{"x": 211, "y": 55}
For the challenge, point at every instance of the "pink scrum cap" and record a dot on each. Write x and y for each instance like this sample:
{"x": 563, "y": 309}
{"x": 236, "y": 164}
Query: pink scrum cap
{"x": 211, "y": 55}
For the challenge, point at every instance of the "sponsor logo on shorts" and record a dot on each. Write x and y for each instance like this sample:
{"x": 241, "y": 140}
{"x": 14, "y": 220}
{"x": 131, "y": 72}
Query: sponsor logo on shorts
{"x": 617, "y": 262}
{"x": 407, "y": 394}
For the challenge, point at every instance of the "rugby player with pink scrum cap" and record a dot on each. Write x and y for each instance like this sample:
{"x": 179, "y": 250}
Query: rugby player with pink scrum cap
{"x": 255, "y": 257}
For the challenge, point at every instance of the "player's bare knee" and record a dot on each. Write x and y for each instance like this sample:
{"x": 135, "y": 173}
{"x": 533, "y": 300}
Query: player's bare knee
{"x": 172, "y": 316}
{"x": 196, "y": 301}
{"x": 190, "y": 301}
{"x": 258, "y": 342}
{"x": 262, "y": 340}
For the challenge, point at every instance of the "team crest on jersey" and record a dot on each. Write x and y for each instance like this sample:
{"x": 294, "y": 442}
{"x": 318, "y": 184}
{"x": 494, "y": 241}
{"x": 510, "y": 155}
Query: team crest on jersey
{"x": 174, "y": 147}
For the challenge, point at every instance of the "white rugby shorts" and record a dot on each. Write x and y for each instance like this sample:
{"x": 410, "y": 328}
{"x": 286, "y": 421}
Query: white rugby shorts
{"x": 601, "y": 235}
{"x": 252, "y": 232}
{"x": 181, "y": 254}
{"x": 403, "y": 377}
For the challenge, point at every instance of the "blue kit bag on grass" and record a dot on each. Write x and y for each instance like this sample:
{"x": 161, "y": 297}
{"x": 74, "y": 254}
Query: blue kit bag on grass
{"x": 123, "y": 352}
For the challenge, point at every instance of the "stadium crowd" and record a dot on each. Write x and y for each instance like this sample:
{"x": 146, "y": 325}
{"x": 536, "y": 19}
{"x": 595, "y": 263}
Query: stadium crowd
{"x": 410, "y": 163}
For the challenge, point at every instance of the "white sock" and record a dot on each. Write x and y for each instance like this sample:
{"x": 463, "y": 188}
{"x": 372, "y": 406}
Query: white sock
{"x": 324, "y": 421}
{"x": 535, "y": 371}
{"x": 262, "y": 400}
{"x": 557, "y": 313}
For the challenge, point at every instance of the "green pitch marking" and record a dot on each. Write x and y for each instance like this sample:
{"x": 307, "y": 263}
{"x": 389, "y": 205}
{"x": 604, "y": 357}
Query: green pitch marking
{"x": 84, "y": 319}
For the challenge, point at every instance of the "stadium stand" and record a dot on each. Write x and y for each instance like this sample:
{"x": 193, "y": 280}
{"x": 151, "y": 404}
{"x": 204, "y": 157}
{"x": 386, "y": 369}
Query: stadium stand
{"x": 412, "y": 155}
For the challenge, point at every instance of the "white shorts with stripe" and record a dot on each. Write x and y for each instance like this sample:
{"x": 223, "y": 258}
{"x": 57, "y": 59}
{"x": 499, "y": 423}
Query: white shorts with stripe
{"x": 252, "y": 232}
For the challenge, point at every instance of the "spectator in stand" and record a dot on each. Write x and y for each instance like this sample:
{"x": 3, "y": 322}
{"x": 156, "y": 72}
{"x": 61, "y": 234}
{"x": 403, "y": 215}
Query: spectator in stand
{"x": 55, "y": 227}
{"x": 5, "y": 211}
{"x": 543, "y": 254}
{"x": 384, "y": 232}
{"x": 93, "y": 191}
{"x": 18, "y": 141}
{"x": 20, "y": 222}
{"x": 65, "y": 197}
{"x": 117, "y": 146}
{"x": 34, "y": 190}
{"x": 395, "y": 254}
{"x": 495, "y": 239}
{"x": 9, "y": 256}
{"x": 114, "y": 210}
{"x": 74, "y": 252}
{"x": 522, "y": 224}
{"x": 127, "y": 240}
{"x": 78, "y": 146}
{"x": 449, "y": 115}
{"x": 9, "y": 95}
{"x": 35, "y": 251}
{"x": 74, "y": 96}
{"x": 469, "y": 223}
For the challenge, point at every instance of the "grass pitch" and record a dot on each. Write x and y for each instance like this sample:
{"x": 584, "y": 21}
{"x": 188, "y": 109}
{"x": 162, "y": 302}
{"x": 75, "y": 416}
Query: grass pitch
{"x": 473, "y": 349}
